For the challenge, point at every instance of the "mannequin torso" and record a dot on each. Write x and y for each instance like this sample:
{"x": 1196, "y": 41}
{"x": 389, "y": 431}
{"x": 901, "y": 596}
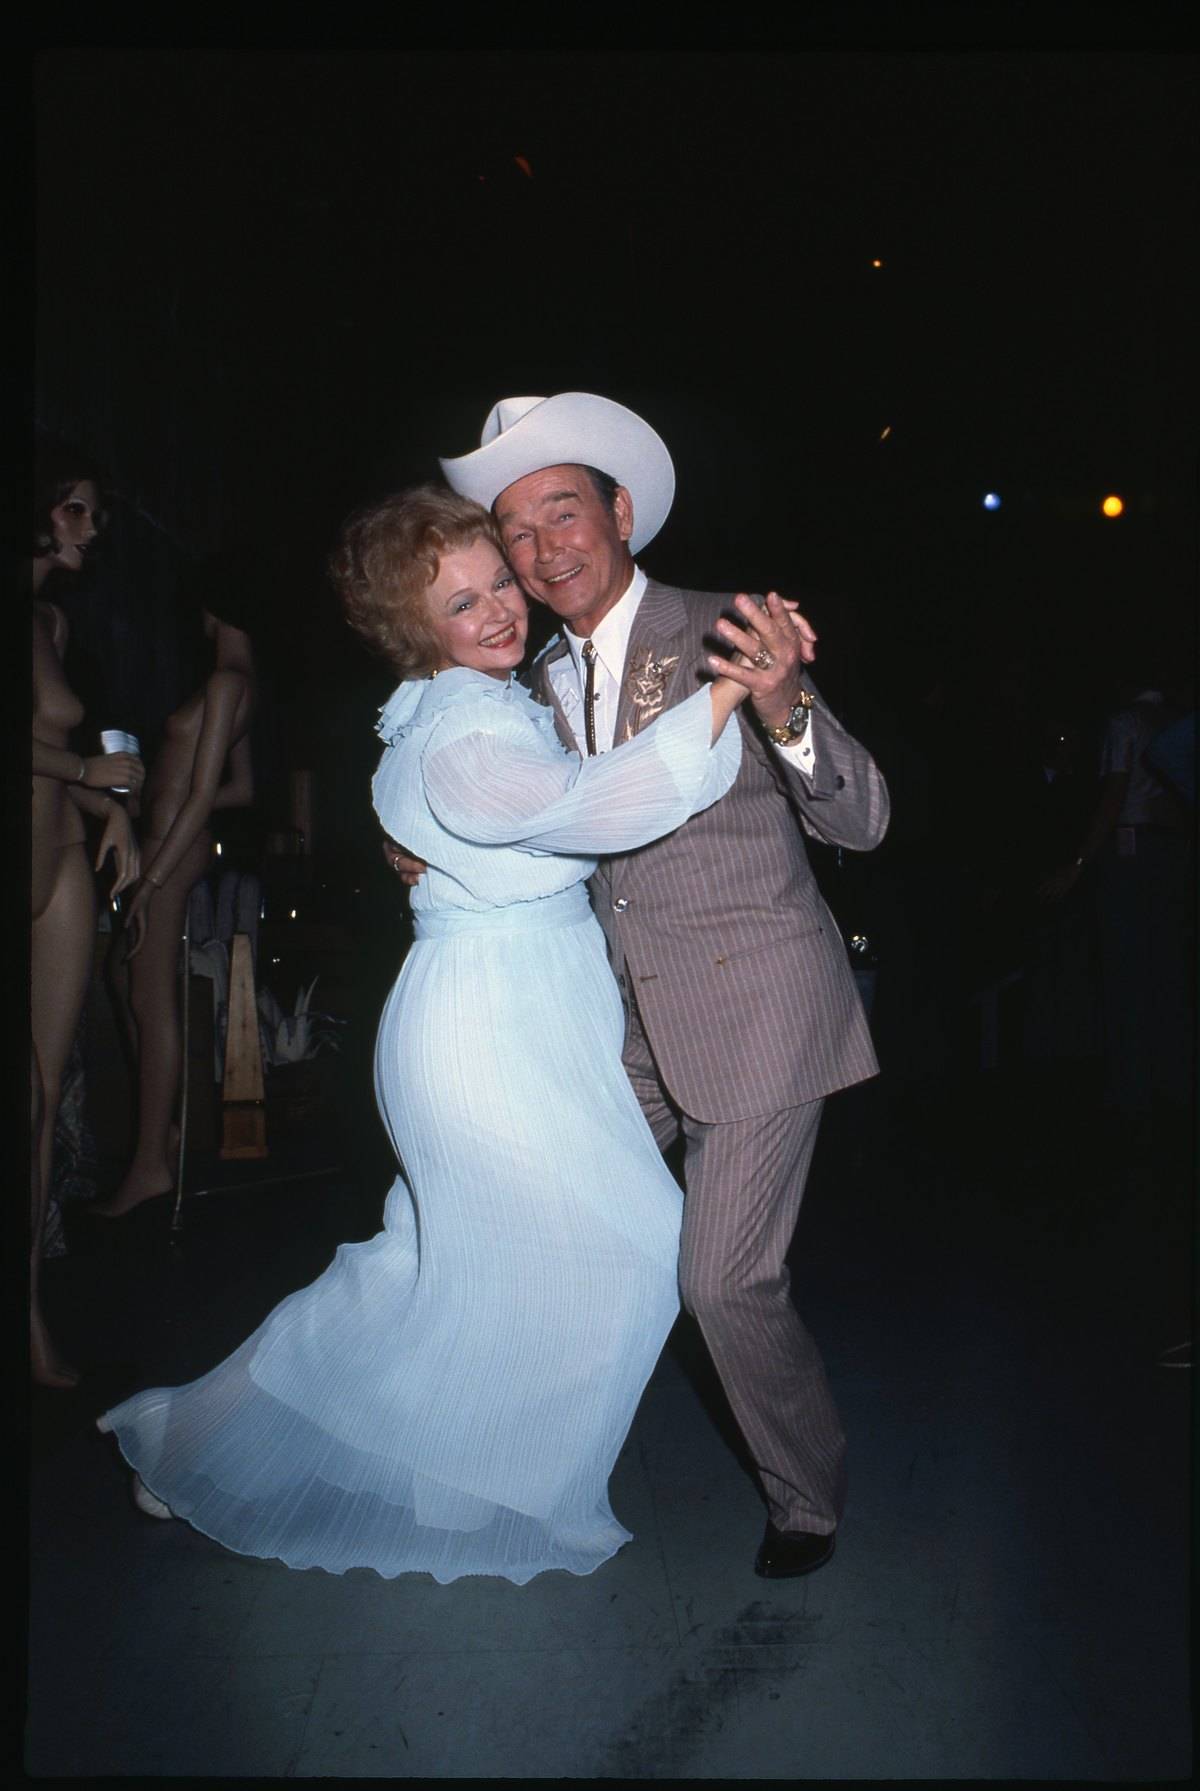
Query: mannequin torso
{"x": 56, "y": 711}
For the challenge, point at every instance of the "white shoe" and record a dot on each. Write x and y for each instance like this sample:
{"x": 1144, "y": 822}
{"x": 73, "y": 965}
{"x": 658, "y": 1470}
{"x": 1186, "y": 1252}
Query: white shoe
{"x": 145, "y": 1500}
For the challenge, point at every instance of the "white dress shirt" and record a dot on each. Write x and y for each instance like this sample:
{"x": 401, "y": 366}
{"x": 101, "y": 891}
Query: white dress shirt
{"x": 611, "y": 641}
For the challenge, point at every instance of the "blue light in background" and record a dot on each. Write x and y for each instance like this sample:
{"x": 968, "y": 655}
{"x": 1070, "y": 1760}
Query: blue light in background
{"x": 992, "y": 500}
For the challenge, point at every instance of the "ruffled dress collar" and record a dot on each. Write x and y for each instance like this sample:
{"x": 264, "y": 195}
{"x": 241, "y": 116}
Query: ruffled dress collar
{"x": 418, "y": 702}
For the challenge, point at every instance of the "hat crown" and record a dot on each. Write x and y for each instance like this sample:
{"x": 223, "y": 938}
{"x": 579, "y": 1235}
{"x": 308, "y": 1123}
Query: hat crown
{"x": 524, "y": 435}
{"x": 503, "y": 414}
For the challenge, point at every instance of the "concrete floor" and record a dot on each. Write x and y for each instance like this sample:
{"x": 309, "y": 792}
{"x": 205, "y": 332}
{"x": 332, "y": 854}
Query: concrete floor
{"x": 1009, "y": 1598}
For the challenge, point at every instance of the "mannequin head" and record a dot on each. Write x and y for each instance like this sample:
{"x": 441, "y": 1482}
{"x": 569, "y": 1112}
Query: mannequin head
{"x": 69, "y": 504}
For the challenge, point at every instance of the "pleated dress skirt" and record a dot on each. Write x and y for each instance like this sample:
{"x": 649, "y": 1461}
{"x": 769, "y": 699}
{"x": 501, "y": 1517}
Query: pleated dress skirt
{"x": 450, "y": 1397}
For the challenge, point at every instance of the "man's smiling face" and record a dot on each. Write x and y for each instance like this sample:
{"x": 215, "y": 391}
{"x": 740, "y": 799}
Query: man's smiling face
{"x": 569, "y": 550}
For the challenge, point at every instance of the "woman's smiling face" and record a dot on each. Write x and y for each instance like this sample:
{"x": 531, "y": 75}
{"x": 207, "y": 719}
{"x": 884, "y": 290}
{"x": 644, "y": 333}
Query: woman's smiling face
{"x": 478, "y": 615}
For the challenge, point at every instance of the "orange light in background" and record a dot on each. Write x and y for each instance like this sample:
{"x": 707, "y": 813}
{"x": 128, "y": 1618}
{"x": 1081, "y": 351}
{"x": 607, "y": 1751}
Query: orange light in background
{"x": 523, "y": 164}
{"x": 877, "y": 264}
{"x": 886, "y": 433}
{"x": 1113, "y": 505}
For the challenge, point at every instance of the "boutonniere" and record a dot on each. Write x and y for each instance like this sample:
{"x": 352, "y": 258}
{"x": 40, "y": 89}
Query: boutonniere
{"x": 646, "y": 683}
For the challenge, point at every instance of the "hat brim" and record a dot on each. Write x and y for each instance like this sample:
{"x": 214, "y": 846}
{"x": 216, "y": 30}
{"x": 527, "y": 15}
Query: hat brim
{"x": 575, "y": 429}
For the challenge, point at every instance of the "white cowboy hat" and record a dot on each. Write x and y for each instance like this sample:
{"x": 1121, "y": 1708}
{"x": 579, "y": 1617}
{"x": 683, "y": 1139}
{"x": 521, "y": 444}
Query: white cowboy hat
{"x": 522, "y": 435}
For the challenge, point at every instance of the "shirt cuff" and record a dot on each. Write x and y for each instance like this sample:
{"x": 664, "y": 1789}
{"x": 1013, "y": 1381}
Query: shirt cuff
{"x": 801, "y": 755}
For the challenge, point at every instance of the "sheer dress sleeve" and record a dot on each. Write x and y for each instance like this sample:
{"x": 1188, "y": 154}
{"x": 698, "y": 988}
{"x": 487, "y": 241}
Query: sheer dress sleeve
{"x": 492, "y": 777}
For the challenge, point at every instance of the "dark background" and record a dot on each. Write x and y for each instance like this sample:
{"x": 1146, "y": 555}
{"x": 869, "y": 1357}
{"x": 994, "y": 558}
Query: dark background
{"x": 271, "y": 283}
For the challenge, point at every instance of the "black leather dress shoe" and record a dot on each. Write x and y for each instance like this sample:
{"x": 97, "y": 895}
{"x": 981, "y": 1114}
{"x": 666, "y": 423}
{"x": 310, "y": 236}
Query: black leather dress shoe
{"x": 785, "y": 1554}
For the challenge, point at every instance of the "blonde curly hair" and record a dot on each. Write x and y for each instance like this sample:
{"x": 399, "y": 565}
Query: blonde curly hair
{"x": 387, "y": 557}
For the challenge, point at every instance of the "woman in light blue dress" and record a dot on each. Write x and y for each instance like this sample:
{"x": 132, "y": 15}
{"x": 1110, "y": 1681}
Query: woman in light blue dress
{"x": 451, "y": 1396}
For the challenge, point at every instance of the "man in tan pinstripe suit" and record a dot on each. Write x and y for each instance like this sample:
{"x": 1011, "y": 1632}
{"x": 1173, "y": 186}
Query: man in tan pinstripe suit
{"x": 743, "y": 1012}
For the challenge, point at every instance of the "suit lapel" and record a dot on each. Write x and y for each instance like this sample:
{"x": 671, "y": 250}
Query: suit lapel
{"x": 544, "y": 691}
{"x": 655, "y": 662}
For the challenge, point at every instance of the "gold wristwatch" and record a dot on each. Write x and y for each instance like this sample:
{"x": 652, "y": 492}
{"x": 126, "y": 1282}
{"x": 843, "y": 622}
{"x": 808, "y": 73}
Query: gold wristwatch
{"x": 796, "y": 724}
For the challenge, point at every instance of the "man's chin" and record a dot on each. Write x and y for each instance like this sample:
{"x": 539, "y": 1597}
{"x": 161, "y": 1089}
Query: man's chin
{"x": 565, "y": 600}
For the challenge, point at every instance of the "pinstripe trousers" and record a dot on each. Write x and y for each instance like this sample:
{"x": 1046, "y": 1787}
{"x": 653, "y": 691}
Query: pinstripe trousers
{"x": 744, "y": 1181}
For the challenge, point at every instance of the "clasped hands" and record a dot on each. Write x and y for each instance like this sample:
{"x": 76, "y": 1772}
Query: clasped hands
{"x": 772, "y": 647}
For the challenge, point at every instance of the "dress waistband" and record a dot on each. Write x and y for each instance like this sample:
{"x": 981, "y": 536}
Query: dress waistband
{"x": 566, "y": 909}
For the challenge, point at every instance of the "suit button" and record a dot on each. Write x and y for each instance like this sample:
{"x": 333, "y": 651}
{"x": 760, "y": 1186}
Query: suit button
{"x": 620, "y": 905}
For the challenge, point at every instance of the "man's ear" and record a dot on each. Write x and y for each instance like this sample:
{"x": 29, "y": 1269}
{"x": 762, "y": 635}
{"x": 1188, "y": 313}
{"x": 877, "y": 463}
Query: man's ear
{"x": 623, "y": 511}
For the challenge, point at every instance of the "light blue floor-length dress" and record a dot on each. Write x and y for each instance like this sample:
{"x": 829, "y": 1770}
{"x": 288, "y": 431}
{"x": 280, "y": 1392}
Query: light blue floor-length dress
{"x": 450, "y": 1396}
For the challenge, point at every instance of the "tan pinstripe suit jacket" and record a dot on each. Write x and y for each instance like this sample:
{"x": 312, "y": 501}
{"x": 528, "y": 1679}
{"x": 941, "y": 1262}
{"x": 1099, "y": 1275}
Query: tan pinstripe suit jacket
{"x": 740, "y": 973}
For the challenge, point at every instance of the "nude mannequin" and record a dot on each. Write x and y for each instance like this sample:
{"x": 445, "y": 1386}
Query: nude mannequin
{"x": 65, "y": 786}
{"x": 207, "y": 736}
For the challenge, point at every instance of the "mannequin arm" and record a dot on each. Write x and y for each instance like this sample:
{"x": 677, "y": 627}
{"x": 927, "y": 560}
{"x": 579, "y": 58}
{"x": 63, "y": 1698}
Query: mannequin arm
{"x": 102, "y": 771}
{"x": 238, "y": 789}
{"x": 91, "y": 802}
{"x": 224, "y": 695}
{"x": 223, "y": 698}
{"x": 117, "y": 837}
